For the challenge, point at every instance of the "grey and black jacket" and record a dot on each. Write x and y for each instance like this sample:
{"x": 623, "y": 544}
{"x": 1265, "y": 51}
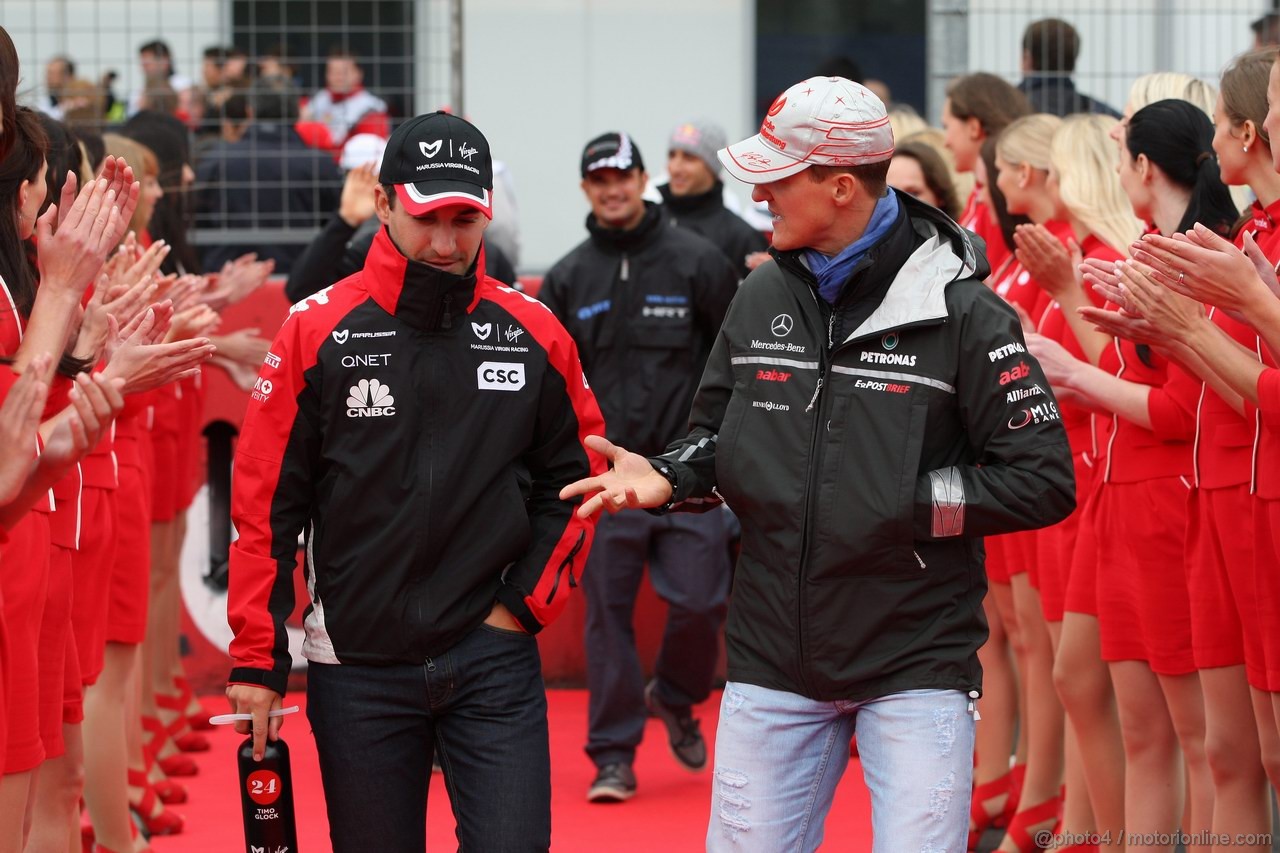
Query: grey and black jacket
{"x": 867, "y": 449}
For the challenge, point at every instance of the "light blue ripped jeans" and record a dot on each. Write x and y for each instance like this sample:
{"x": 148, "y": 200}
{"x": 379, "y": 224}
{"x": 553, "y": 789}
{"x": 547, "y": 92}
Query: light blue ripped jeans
{"x": 779, "y": 757}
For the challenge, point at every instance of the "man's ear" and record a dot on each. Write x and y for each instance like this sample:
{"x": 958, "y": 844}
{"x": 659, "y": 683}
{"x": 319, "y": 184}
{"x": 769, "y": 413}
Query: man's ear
{"x": 845, "y": 188}
{"x": 381, "y": 204}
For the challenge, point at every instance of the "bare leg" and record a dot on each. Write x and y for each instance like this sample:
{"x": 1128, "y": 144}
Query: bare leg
{"x": 1084, "y": 685}
{"x": 1044, "y": 712}
{"x": 59, "y": 785}
{"x": 106, "y": 705}
{"x": 1240, "y": 803}
{"x": 1185, "y": 701}
{"x": 1154, "y": 784}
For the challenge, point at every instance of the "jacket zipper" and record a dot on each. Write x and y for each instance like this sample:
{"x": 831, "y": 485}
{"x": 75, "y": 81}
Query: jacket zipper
{"x": 808, "y": 500}
{"x": 567, "y": 563}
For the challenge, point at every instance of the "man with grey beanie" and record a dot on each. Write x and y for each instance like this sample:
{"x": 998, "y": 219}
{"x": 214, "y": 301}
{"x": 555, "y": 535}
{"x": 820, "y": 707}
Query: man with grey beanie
{"x": 694, "y": 196}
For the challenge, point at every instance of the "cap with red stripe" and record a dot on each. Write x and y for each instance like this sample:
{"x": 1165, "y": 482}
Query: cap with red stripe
{"x": 823, "y": 121}
{"x": 436, "y": 160}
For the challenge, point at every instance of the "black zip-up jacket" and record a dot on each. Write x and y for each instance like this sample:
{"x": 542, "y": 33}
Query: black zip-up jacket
{"x": 705, "y": 215}
{"x": 419, "y": 426}
{"x": 867, "y": 451}
{"x": 644, "y": 306}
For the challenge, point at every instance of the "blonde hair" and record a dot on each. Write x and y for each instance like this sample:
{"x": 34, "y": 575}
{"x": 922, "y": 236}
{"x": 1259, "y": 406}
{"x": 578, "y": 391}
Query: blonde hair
{"x": 905, "y": 121}
{"x": 1084, "y": 158}
{"x": 934, "y": 138}
{"x": 1027, "y": 141}
{"x": 1164, "y": 85}
{"x": 143, "y": 162}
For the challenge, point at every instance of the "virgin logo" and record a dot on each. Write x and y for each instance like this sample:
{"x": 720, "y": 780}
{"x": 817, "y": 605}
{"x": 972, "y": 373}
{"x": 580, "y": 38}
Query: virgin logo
{"x": 778, "y": 105}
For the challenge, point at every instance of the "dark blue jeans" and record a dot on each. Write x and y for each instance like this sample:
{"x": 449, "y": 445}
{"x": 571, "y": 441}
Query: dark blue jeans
{"x": 688, "y": 560}
{"x": 482, "y": 705}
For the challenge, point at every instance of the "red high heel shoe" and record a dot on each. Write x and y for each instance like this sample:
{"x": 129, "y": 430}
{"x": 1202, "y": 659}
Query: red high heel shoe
{"x": 199, "y": 721}
{"x": 164, "y": 822}
{"x": 180, "y": 728}
{"x": 170, "y": 793}
{"x": 1008, "y": 786}
{"x": 174, "y": 765}
{"x": 1020, "y": 828}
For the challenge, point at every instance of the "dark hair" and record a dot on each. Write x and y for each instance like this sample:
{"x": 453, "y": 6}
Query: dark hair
{"x": 1178, "y": 137}
{"x": 872, "y": 176}
{"x": 1052, "y": 45}
{"x": 993, "y": 101}
{"x": 168, "y": 138}
{"x": 274, "y": 104}
{"x": 94, "y": 148}
{"x": 840, "y": 66}
{"x": 936, "y": 174}
{"x": 62, "y": 154}
{"x": 235, "y": 108}
{"x": 8, "y": 91}
{"x": 1007, "y": 221}
{"x": 27, "y": 155}
{"x": 158, "y": 47}
{"x": 217, "y": 54}
{"x": 340, "y": 52}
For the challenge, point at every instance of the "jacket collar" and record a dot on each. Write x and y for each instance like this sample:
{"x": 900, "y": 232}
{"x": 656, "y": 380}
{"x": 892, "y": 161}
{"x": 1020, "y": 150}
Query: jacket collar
{"x": 426, "y": 298}
{"x": 946, "y": 253}
{"x": 616, "y": 241}
{"x": 706, "y": 202}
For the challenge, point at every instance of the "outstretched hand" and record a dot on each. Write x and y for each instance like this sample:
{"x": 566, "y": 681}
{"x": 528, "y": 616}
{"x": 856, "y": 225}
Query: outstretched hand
{"x": 630, "y": 483}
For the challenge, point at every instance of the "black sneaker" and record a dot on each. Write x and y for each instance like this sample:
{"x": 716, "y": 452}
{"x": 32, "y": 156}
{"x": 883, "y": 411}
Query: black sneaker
{"x": 614, "y": 783}
{"x": 683, "y": 735}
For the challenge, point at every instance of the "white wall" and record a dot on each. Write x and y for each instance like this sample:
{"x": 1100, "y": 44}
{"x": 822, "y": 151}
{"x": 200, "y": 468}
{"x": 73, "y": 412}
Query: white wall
{"x": 544, "y": 76}
{"x": 1119, "y": 41}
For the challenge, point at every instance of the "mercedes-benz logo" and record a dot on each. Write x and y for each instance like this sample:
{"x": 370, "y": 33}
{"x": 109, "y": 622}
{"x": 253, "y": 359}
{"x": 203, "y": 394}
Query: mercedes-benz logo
{"x": 782, "y": 325}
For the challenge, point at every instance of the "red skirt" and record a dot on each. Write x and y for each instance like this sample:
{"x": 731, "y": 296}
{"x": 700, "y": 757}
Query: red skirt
{"x": 1220, "y": 580}
{"x": 1144, "y": 608}
{"x": 131, "y": 568}
{"x": 59, "y": 667}
{"x": 1056, "y": 547}
{"x": 1267, "y": 528}
{"x": 92, "y": 567}
{"x": 24, "y": 582}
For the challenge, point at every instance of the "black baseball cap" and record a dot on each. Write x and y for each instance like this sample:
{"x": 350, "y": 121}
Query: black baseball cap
{"x": 611, "y": 151}
{"x": 439, "y": 159}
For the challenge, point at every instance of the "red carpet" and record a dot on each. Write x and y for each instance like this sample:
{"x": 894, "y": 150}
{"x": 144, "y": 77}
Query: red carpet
{"x": 668, "y": 813}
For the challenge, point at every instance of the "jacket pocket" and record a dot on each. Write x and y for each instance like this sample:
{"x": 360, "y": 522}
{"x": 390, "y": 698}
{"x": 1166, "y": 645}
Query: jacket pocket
{"x": 866, "y": 489}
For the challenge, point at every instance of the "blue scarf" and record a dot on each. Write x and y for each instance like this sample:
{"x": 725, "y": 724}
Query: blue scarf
{"x": 833, "y": 273}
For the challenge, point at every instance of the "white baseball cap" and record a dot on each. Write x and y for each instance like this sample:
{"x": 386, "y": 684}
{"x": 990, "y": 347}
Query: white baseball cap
{"x": 823, "y": 121}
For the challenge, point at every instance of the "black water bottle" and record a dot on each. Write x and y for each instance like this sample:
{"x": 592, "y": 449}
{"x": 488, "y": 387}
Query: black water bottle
{"x": 266, "y": 799}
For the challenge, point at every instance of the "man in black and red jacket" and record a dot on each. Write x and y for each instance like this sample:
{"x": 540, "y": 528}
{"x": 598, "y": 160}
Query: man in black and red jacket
{"x": 417, "y": 420}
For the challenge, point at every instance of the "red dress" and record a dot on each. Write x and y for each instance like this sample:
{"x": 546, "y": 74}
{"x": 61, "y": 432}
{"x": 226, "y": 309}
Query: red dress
{"x": 1144, "y": 610}
{"x": 1227, "y": 624}
{"x": 24, "y": 581}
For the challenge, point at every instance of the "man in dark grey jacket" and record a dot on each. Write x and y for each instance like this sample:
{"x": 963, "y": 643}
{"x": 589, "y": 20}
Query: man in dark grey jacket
{"x": 644, "y": 301}
{"x": 852, "y": 415}
{"x": 693, "y": 195}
